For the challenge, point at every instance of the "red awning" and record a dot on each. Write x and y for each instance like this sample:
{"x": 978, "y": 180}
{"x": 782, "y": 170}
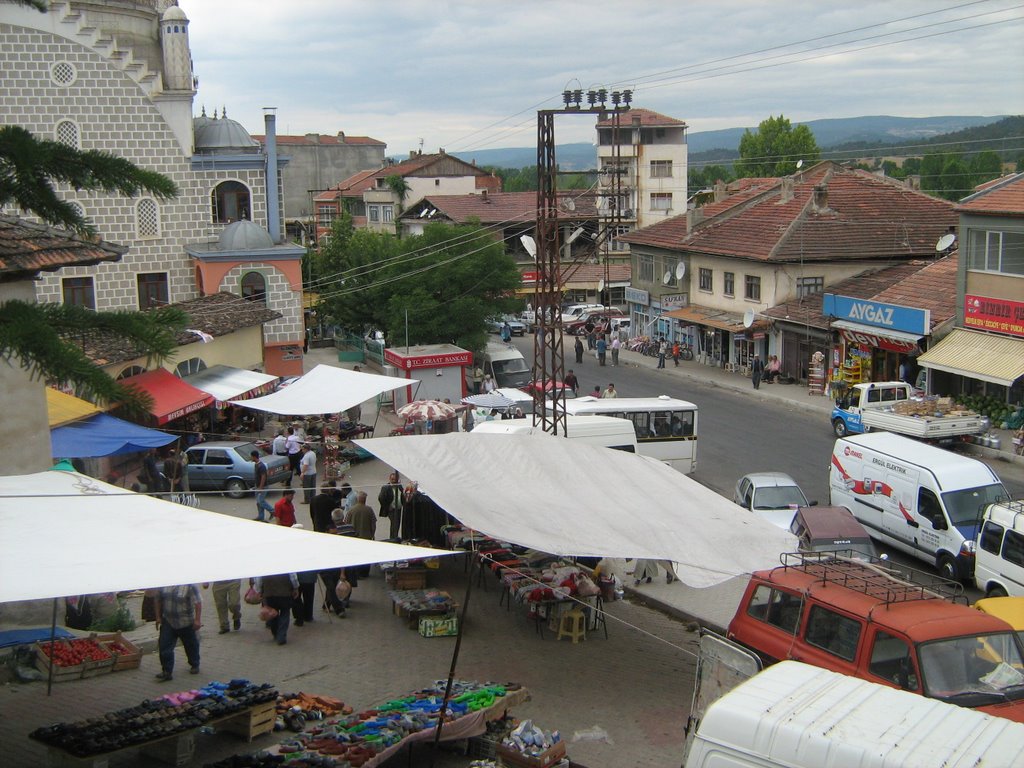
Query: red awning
{"x": 172, "y": 397}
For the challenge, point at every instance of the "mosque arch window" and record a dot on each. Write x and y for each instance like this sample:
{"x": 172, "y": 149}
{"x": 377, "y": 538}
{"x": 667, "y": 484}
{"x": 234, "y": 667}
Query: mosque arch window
{"x": 67, "y": 133}
{"x": 254, "y": 287}
{"x": 63, "y": 73}
{"x": 131, "y": 370}
{"x": 147, "y": 218}
{"x": 230, "y": 202}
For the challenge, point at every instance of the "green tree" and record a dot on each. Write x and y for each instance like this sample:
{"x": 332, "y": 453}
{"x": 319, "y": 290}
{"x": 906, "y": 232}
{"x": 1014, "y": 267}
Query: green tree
{"x": 986, "y": 166}
{"x": 775, "y": 148}
{"x": 354, "y": 266}
{"x": 400, "y": 187}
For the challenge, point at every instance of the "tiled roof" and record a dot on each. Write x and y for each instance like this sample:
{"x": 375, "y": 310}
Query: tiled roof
{"x": 862, "y": 217}
{"x": 585, "y": 272}
{"x": 324, "y": 140}
{"x": 353, "y": 186}
{"x": 356, "y": 184}
{"x": 1000, "y": 197}
{"x": 932, "y": 288}
{"x": 648, "y": 118}
{"x": 499, "y": 207}
{"x": 27, "y": 248}
{"x": 217, "y": 314}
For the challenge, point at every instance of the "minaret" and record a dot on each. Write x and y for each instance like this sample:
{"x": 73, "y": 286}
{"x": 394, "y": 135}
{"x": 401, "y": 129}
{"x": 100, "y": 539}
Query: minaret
{"x": 177, "y": 54}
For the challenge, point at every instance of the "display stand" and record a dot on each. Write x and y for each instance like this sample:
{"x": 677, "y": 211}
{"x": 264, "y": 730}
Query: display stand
{"x": 816, "y": 375}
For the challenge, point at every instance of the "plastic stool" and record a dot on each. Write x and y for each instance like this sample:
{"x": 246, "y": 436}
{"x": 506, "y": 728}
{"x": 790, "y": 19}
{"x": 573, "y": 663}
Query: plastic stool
{"x": 573, "y": 624}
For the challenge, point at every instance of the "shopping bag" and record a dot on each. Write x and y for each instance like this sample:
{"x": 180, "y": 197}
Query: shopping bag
{"x": 267, "y": 613}
{"x": 343, "y": 590}
{"x": 252, "y": 597}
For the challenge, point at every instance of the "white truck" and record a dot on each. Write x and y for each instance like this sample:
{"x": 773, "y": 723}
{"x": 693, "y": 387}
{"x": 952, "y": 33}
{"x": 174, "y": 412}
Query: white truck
{"x": 890, "y": 406}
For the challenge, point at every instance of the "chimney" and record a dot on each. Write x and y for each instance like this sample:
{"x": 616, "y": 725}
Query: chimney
{"x": 787, "y": 189}
{"x": 273, "y": 202}
{"x": 820, "y": 202}
{"x": 440, "y": 150}
{"x": 636, "y": 129}
{"x": 483, "y": 194}
{"x": 913, "y": 182}
{"x": 313, "y": 138}
{"x": 413, "y": 154}
{"x": 720, "y": 191}
{"x": 341, "y": 135}
{"x": 693, "y": 217}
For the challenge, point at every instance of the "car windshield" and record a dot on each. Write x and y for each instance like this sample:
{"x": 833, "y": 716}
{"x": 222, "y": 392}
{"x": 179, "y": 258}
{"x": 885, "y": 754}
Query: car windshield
{"x": 245, "y": 451}
{"x": 964, "y": 507}
{"x": 974, "y": 670}
{"x": 779, "y": 497}
{"x": 514, "y": 365}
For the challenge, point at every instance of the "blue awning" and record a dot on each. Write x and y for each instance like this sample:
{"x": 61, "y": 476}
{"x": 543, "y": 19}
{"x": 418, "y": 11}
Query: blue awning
{"x": 104, "y": 435}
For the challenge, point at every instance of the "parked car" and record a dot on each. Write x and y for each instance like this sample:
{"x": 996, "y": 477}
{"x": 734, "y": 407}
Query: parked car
{"x": 549, "y": 387}
{"x": 774, "y": 496}
{"x": 225, "y": 465}
{"x": 598, "y": 321}
{"x": 832, "y": 529}
{"x": 494, "y": 325}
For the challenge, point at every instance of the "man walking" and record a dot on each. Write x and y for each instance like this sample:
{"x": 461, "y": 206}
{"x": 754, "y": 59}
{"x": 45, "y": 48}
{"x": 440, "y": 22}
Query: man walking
{"x": 293, "y": 445}
{"x": 756, "y": 369}
{"x": 284, "y": 510}
{"x": 662, "y": 351}
{"x": 323, "y": 504}
{"x": 307, "y": 470}
{"x": 602, "y": 349}
{"x": 260, "y": 471}
{"x": 390, "y": 501}
{"x": 178, "y": 615}
{"x": 572, "y": 382}
{"x": 478, "y": 379}
{"x": 227, "y": 599}
{"x": 361, "y": 518}
{"x": 616, "y": 346}
{"x": 579, "y": 351}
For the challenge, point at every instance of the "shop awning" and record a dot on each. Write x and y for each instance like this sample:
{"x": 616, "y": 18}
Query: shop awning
{"x": 63, "y": 409}
{"x": 172, "y": 397}
{"x": 103, "y": 435}
{"x": 978, "y": 355}
{"x": 897, "y": 341}
{"x": 715, "y": 318}
{"x": 227, "y": 383}
{"x": 326, "y": 389}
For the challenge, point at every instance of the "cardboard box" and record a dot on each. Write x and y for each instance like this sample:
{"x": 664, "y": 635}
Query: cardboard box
{"x": 514, "y": 759}
{"x": 439, "y": 626}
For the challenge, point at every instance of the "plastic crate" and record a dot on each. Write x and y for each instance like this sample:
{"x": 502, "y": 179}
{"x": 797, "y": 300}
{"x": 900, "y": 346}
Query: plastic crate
{"x": 439, "y": 626}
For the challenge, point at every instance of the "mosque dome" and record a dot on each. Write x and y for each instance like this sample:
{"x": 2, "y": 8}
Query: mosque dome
{"x": 223, "y": 134}
{"x": 201, "y": 122}
{"x": 244, "y": 235}
{"x": 174, "y": 13}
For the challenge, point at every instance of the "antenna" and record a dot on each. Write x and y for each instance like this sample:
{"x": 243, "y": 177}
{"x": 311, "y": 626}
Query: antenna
{"x": 680, "y": 270}
{"x": 748, "y": 318}
{"x": 945, "y": 242}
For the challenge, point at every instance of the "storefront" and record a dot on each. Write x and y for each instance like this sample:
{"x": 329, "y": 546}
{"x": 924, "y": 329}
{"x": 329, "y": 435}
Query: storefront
{"x": 172, "y": 399}
{"x": 975, "y": 362}
{"x": 448, "y": 362}
{"x": 720, "y": 338}
{"x": 874, "y": 339}
{"x": 226, "y": 384}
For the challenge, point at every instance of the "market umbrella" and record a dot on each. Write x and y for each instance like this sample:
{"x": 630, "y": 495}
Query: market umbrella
{"x": 426, "y": 410}
{"x": 489, "y": 400}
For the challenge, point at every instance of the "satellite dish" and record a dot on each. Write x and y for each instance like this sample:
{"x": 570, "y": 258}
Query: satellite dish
{"x": 680, "y": 270}
{"x": 423, "y": 213}
{"x": 529, "y": 244}
{"x": 575, "y": 234}
{"x": 432, "y": 212}
{"x": 945, "y": 242}
{"x": 748, "y": 318}
{"x": 667, "y": 277}
{"x": 600, "y": 285}
{"x": 799, "y": 164}
{"x": 569, "y": 204}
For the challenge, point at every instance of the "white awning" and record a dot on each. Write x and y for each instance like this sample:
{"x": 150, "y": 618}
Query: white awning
{"x": 226, "y": 383}
{"x": 874, "y": 330}
{"x": 978, "y": 355}
{"x": 326, "y": 389}
{"x": 568, "y": 498}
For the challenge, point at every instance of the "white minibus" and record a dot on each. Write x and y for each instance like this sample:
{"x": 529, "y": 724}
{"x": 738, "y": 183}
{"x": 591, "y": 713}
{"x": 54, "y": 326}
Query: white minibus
{"x": 666, "y": 428}
{"x": 593, "y": 430}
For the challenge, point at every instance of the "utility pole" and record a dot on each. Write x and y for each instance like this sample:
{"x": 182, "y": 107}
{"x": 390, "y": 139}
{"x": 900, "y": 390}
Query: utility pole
{"x": 548, "y": 351}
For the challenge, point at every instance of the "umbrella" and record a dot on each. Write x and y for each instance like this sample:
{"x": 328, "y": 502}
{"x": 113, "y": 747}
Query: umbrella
{"x": 426, "y": 410}
{"x": 489, "y": 400}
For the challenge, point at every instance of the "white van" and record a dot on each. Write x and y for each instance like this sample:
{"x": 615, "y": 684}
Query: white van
{"x": 999, "y": 564}
{"x": 505, "y": 363}
{"x": 593, "y": 430}
{"x": 575, "y": 311}
{"x": 793, "y": 715}
{"x": 922, "y": 500}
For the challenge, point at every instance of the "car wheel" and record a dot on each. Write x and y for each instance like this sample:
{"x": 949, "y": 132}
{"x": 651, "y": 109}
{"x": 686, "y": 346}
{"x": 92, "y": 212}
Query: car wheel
{"x": 839, "y": 427}
{"x": 235, "y": 488}
{"x": 946, "y": 564}
{"x": 996, "y": 591}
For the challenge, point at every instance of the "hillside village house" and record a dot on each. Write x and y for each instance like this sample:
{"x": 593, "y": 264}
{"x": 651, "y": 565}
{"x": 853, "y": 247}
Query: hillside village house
{"x": 118, "y": 77}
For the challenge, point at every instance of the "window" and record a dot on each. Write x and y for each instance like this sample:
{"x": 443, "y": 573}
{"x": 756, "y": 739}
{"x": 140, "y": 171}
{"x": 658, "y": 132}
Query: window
{"x": 991, "y": 537}
{"x": 325, "y": 215}
{"x": 230, "y": 202}
{"x": 254, "y": 287}
{"x": 752, "y": 287}
{"x": 890, "y": 660}
{"x": 705, "y": 279}
{"x": 131, "y": 370}
{"x": 729, "y": 283}
{"x": 807, "y": 286}
{"x": 661, "y": 201}
{"x": 218, "y": 456}
{"x": 79, "y": 291}
{"x": 775, "y": 607}
{"x": 617, "y": 232}
{"x": 387, "y": 213}
{"x": 153, "y": 290}
{"x": 646, "y": 265}
{"x": 1013, "y": 548}
{"x": 63, "y": 73}
{"x": 373, "y": 212}
{"x": 661, "y": 169}
{"x": 188, "y": 367}
{"x": 147, "y": 218}
{"x": 992, "y": 251}
{"x": 833, "y": 632}
{"x": 67, "y": 134}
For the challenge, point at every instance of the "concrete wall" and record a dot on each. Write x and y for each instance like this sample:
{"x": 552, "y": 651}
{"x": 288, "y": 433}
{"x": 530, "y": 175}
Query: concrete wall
{"x": 314, "y": 166}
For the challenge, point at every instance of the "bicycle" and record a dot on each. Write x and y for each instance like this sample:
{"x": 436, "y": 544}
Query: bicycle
{"x": 685, "y": 352}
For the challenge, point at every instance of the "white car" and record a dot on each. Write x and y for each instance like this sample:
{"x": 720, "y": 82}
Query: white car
{"x": 773, "y": 496}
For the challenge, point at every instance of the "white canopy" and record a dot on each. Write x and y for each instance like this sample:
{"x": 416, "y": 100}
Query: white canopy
{"x": 561, "y": 496}
{"x": 62, "y": 534}
{"x": 325, "y": 389}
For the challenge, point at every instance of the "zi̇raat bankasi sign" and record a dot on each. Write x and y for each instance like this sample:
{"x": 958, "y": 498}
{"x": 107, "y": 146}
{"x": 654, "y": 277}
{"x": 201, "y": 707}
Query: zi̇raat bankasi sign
{"x": 884, "y": 317}
{"x": 998, "y": 315}
{"x": 428, "y": 361}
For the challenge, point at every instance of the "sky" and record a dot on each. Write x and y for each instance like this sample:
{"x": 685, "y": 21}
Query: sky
{"x": 472, "y": 75}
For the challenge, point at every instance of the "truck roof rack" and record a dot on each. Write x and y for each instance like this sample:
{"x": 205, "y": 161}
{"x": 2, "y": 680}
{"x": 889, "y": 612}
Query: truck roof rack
{"x": 877, "y": 578}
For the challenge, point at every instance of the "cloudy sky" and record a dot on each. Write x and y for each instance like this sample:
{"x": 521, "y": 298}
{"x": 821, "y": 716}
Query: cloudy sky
{"x": 471, "y": 75}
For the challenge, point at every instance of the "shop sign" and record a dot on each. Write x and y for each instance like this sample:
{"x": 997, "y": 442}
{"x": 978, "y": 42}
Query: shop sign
{"x": 878, "y": 340}
{"x": 636, "y": 296}
{"x": 531, "y": 276}
{"x": 291, "y": 352}
{"x": 428, "y": 361}
{"x": 675, "y": 300}
{"x": 197, "y": 406}
{"x": 893, "y": 317}
{"x": 998, "y": 315}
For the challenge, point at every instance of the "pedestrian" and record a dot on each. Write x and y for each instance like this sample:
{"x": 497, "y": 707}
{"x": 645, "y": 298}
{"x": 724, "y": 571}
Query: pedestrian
{"x": 307, "y": 470}
{"x": 616, "y": 346}
{"x": 591, "y": 336}
{"x": 150, "y": 475}
{"x": 260, "y": 474}
{"x": 179, "y": 612}
{"x": 279, "y": 445}
{"x": 597, "y": 391}
{"x": 390, "y": 501}
{"x": 227, "y": 597}
{"x": 293, "y": 447}
{"x": 675, "y": 353}
{"x": 172, "y": 471}
{"x": 756, "y": 369}
{"x": 278, "y": 592}
{"x": 323, "y": 504}
{"x": 610, "y": 392}
{"x": 361, "y": 518}
{"x": 468, "y": 420}
{"x": 506, "y": 332}
{"x": 348, "y": 498}
{"x": 332, "y": 603}
{"x": 772, "y": 370}
{"x": 572, "y": 382}
{"x": 302, "y": 605}
{"x": 284, "y": 510}
{"x": 478, "y": 379}
{"x": 488, "y": 384}
{"x": 662, "y": 351}
{"x": 602, "y": 349}
{"x": 579, "y": 351}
